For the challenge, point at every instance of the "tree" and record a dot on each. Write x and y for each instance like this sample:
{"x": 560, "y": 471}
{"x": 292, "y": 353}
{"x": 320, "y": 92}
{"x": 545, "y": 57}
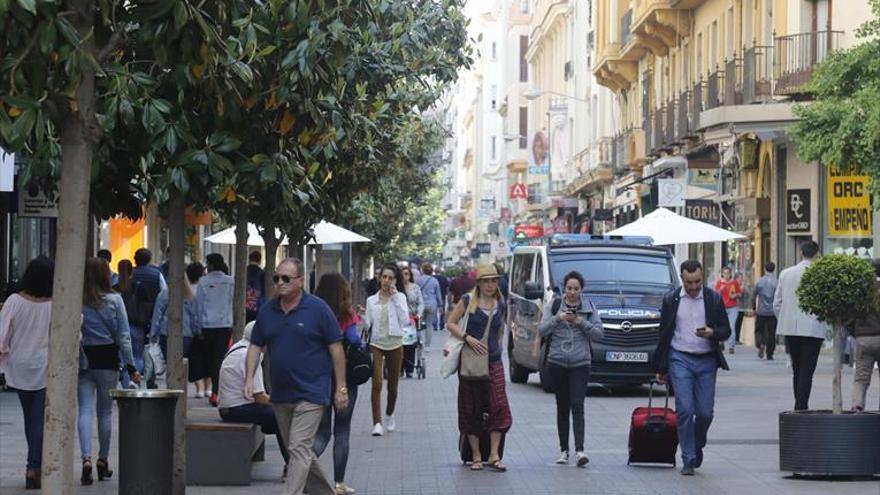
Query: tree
{"x": 842, "y": 126}
{"x": 838, "y": 289}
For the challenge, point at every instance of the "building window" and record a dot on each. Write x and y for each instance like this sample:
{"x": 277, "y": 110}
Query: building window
{"x": 523, "y": 127}
{"x": 524, "y": 6}
{"x": 494, "y": 51}
{"x": 523, "y": 63}
{"x": 493, "y": 96}
{"x": 494, "y": 148}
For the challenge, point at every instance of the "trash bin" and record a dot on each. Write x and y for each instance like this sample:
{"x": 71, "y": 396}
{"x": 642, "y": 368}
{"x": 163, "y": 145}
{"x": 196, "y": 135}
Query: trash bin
{"x": 146, "y": 440}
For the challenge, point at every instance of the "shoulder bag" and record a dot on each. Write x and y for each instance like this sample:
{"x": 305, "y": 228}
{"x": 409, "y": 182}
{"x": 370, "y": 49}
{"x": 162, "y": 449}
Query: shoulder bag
{"x": 475, "y": 366}
{"x": 358, "y": 362}
{"x": 452, "y": 350}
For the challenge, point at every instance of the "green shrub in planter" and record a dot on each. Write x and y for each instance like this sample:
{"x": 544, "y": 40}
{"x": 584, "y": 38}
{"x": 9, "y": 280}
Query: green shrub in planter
{"x": 838, "y": 288}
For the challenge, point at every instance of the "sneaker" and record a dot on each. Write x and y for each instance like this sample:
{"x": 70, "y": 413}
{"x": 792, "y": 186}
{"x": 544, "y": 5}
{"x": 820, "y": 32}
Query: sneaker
{"x": 343, "y": 489}
{"x": 378, "y": 431}
{"x": 200, "y": 395}
{"x": 733, "y": 350}
{"x": 390, "y": 425}
{"x": 761, "y": 353}
{"x": 770, "y": 357}
{"x": 563, "y": 457}
{"x": 687, "y": 470}
{"x": 581, "y": 458}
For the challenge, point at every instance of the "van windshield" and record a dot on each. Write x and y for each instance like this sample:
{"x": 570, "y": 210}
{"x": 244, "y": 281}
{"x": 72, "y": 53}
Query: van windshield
{"x": 648, "y": 270}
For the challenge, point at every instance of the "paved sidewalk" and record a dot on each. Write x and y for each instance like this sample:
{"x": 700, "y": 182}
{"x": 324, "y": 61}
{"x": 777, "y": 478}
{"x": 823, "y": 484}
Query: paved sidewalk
{"x": 422, "y": 458}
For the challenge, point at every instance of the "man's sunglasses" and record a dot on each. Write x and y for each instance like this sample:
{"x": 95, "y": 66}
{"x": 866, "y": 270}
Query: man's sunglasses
{"x": 284, "y": 278}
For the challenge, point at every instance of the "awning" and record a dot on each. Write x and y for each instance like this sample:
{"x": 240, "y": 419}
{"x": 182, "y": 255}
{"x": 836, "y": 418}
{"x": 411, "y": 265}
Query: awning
{"x": 325, "y": 233}
{"x": 667, "y": 228}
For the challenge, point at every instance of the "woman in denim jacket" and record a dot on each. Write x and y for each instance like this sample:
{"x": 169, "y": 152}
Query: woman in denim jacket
{"x": 105, "y": 333}
{"x": 570, "y": 328}
{"x": 192, "y": 320}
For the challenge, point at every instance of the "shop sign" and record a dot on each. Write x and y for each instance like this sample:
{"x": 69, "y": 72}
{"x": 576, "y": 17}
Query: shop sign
{"x": 849, "y": 203}
{"x": 484, "y": 247}
{"x": 603, "y": 214}
{"x": 32, "y": 202}
{"x": 500, "y": 248}
{"x": 528, "y": 231}
{"x": 519, "y": 191}
{"x": 671, "y": 192}
{"x": 505, "y": 215}
{"x": 798, "y": 210}
{"x": 474, "y": 253}
{"x": 703, "y": 210}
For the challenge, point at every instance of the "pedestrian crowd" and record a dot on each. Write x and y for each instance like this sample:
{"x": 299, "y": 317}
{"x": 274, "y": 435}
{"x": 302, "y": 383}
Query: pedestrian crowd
{"x": 321, "y": 347}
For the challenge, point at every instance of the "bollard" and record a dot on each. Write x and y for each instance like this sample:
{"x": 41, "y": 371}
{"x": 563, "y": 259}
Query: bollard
{"x": 146, "y": 440}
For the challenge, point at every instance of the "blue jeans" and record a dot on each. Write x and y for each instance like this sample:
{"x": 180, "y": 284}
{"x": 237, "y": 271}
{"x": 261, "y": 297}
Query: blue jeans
{"x": 33, "y": 404}
{"x": 138, "y": 344}
{"x": 341, "y": 432}
{"x": 731, "y": 318}
{"x": 693, "y": 377}
{"x": 259, "y": 414}
{"x": 94, "y": 397}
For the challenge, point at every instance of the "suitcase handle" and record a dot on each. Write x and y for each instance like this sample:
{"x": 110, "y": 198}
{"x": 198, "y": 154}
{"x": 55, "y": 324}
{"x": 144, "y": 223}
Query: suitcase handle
{"x": 651, "y": 393}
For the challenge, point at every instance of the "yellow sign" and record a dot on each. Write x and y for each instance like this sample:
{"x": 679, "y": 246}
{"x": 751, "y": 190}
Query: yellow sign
{"x": 849, "y": 203}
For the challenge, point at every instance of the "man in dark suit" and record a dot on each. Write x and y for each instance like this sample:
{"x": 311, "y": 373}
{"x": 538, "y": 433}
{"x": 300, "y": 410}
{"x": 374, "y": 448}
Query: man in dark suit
{"x": 693, "y": 324}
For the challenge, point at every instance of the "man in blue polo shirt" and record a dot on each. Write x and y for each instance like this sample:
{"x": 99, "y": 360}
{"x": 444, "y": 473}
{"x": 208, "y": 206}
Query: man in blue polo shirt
{"x": 304, "y": 344}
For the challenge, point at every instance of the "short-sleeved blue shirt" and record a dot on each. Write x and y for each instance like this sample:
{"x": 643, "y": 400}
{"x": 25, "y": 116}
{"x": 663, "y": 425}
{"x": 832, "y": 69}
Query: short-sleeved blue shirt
{"x": 298, "y": 345}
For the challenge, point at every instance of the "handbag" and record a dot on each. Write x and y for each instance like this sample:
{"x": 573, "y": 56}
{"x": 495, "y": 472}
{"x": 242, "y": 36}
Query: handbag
{"x": 358, "y": 363}
{"x": 475, "y": 366}
{"x": 155, "y": 352}
{"x": 452, "y": 350}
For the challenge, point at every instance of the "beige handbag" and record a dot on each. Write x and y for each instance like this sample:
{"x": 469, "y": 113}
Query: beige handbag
{"x": 474, "y": 366}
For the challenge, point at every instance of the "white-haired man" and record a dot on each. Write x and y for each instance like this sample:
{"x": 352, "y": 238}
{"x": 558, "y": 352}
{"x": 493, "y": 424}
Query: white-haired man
{"x": 233, "y": 405}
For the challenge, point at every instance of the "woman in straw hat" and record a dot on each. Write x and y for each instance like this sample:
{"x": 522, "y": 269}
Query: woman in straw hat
{"x": 479, "y": 398}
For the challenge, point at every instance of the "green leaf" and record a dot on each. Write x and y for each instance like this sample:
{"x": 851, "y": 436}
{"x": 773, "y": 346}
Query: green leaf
{"x": 170, "y": 141}
{"x": 143, "y": 79}
{"x": 28, "y": 5}
{"x": 126, "y": 110}
{"x": 47, "y": 37}
{"x": 178, "y": 178}
{"x": 243, "y": 71}
{"x": 67, "y": 31}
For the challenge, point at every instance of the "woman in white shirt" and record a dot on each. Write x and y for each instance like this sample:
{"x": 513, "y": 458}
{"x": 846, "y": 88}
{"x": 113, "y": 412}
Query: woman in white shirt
{"x": 24, "y": 354}
{"x": 416, "y": 307}
{"x": 386, "y": 315}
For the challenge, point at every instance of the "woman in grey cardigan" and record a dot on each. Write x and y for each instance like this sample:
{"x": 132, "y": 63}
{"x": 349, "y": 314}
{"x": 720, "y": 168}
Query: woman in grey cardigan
{"x": 569, "y": 324}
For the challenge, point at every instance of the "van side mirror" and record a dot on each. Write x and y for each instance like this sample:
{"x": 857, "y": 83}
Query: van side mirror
{"x": 533, "y": 291}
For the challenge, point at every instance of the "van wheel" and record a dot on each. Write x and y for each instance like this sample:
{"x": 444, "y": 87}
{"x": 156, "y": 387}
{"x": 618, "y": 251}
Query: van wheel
{"x": 518, "y": 374}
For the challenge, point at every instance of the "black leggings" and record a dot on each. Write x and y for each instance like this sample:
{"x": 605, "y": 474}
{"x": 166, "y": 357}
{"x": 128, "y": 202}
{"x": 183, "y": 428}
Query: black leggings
{"x": 341, "y": 431}
{"x": 570, "y": 386}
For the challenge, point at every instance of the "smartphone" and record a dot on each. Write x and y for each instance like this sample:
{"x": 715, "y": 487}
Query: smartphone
{"x": 700, "y": 331}
{"x": 571, "y": 311}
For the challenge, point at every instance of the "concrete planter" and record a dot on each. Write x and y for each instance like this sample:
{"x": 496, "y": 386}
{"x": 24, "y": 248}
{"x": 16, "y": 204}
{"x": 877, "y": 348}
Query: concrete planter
{"x": 819, "y": 443}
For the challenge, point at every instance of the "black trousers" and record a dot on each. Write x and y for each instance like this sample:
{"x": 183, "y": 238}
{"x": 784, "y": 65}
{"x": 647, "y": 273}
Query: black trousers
{"x": 804, "y": 352}
{"x": 739, "y": 324}
{"x": 570, "y": 386}
{"x": 216, "y": 344}
{"x": 765, "y": 334}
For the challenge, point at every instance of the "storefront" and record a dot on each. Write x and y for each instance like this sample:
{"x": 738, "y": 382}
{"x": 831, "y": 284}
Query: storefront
{"x": 848, "y": 212}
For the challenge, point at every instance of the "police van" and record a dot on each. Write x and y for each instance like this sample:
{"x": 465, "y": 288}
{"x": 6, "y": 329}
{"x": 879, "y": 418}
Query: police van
{"x": 625, "y": 278}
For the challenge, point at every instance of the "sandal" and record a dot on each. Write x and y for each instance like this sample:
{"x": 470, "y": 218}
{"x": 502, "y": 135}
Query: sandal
{"x": 497, "y": 466}
{"x": 477, "y": 466}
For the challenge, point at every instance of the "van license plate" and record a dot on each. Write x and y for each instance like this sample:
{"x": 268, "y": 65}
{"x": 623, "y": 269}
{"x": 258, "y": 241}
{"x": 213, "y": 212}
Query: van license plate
{"x": 636, "y": 357}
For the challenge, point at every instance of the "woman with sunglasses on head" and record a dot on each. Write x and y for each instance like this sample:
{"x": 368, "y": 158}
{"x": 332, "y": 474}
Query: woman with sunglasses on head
{"x": 386, "y": 316}
{"x": 482, "y": 403}
{"x": 335, "y": 290}
{"x": 570, "y": 323}
{"x": 416, "y": 306}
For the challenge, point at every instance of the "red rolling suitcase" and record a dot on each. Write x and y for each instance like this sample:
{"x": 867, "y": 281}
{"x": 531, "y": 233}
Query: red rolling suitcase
{"x": 653, "y": 433}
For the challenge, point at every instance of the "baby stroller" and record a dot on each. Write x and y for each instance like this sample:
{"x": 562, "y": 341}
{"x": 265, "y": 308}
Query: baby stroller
{"x": 413, "y": 351}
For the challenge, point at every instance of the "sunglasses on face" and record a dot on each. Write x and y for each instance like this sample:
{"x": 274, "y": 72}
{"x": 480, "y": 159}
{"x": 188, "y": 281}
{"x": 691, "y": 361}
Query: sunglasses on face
{"x": 284, "y": 278}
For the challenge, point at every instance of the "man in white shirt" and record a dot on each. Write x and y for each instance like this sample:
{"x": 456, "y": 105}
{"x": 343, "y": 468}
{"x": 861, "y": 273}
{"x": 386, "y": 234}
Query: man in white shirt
{"x": 234, "y": 407}
{"x": 804, "y": 333}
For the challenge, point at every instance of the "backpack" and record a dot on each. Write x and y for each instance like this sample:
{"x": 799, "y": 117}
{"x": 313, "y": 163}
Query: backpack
{"x": 139, "y": 304}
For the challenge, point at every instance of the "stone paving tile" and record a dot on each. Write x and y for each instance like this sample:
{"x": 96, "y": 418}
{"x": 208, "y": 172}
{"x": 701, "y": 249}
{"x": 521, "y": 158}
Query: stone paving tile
{"x": 421, "y": 458}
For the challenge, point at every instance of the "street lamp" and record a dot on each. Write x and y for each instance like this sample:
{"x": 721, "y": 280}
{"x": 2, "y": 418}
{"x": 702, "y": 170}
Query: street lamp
{"x": 536, "y": 93}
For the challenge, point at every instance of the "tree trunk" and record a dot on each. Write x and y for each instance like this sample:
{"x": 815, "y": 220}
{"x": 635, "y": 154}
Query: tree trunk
{"x": 175, "y": 364}
{"x": 78, "y": 135}
{"x": 357, "y": 286}
{"x": 837, "y": 398}
{"x": 272, "y": 244}
{"x": 241, "y": 255}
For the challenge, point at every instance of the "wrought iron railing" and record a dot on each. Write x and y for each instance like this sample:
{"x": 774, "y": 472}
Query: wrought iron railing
{"x": 671, "y": 134}
{"x": 796, "y": 55}
{"x": 714, "y": 90}
{"x": 683, "y": 127}
{"x": 757, "y": 74}
{"x": 696, "y": 105}
{"x": 733, "y": 82}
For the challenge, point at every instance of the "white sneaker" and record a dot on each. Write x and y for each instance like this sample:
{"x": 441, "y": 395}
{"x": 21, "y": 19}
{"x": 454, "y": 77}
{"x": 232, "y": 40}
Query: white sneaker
{"x": 378, "y": 431}
{"x": 343, "y": 489}
{"x": 390, "y": 425}
{"x": 582, "y": 459}
{"x": 563, "y": 458}
{"x": 200, "y": 395}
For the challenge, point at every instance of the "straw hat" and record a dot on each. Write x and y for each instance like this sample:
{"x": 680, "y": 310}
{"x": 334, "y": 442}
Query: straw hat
{"x": 487, "y": 271}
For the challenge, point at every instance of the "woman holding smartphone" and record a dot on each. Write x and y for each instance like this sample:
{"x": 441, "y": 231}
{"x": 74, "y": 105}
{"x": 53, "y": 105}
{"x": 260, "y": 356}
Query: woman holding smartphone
{"x": 569, "y": 324}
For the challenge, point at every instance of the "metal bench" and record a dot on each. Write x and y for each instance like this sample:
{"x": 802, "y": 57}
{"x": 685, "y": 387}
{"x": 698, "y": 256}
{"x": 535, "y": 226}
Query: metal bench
{"x": 220, "y": 453}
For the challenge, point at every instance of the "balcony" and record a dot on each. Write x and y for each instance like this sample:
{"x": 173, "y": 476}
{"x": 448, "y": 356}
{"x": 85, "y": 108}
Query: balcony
{"x": 613, "y": 70}
{"x": 757, "y": 75}
{"x": 714, "y": 89}
{"x": 796, "y": 57}
{"x": 686, "y": 4}
{"x": 658, "y": 25}
{"x": 671, "y": 134}
{"x": 696, "y": 105}
{"x": 686, "y": 125}
{"x": 634, "y": 152}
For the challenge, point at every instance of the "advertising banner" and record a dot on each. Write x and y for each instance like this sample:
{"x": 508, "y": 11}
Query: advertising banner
{"x": 849, "y": 203}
